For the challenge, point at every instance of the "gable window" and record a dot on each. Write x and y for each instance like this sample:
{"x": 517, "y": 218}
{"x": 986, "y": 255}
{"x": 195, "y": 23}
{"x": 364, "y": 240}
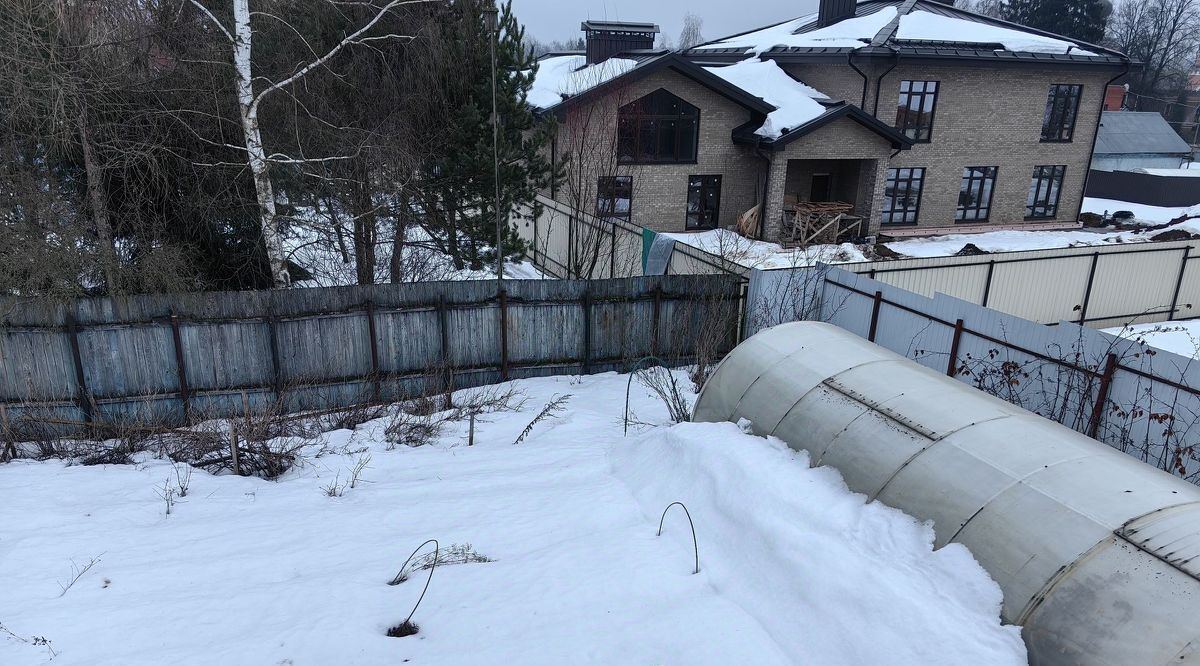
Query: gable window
{"x": 914, "y": 110}
{"x": 703, "y": 202}
{"x": 1044, "y": 190}
{"x": 659, "y": 128}
{"x": 1062, "y": 105}
{"x": 614, "y": 194}
{"x": 902, "y": 195}
{"x": 975, "y": 194}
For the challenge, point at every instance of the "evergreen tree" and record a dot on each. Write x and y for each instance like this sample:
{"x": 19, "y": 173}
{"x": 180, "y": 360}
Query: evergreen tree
{"x": 1084, "y": 20}
{"x": 456, "y": 190}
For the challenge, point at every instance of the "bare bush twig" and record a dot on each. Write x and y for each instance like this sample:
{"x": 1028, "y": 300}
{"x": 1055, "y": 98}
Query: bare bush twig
{"x": 557, "y": 404}
{"x": 77, "y": 572}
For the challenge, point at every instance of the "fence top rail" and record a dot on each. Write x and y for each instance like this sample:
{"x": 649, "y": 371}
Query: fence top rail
{"x": 313, "y": 301}
{"x": 1096, "y": 372}
{"x": 1010, "y": 257}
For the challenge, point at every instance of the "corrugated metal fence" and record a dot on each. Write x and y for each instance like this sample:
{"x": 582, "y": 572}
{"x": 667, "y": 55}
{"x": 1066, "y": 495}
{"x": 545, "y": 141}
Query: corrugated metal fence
{"x": 1142, "y": 401}
{"x": 1099, "y": 286}
{"x": 170, "y": 359}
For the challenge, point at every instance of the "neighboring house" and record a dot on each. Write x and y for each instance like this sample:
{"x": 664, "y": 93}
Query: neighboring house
{"x": 1131, "y": 140}
{"x": 920, "y": 116}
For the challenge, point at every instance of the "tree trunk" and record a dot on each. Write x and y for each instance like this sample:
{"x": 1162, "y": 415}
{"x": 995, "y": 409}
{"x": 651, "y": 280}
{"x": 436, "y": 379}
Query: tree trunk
{"x": 364, "y": 225}
{"x": 256, "y": 155}
{"x": 396, "y": 261}
{"x": 98, "y": 200}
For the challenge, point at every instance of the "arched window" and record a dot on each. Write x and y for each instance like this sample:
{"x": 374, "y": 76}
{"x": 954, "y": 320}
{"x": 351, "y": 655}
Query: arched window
{"x": 659, "y": 128}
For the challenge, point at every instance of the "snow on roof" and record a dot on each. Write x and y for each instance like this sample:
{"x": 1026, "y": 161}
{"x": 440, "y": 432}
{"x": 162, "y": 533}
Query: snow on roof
{"x": 563, "y": 76}
{"x": 927, "y": 26}
{"x": 851, "y": 33}
{"x": 794, "y": 102}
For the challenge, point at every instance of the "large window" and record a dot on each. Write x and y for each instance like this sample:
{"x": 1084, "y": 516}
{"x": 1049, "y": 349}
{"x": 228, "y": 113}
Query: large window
{"x": 613, "y": 197}
{"x": 902, "y": 195}
{"x": 659, "y": 128}
{"x": 1044, "y": 190}
{"x": 914, "y": 111}
{"x": 975, "y": 194}
{"x": 1062, "y": 105}
{"x": 703, "y": 202}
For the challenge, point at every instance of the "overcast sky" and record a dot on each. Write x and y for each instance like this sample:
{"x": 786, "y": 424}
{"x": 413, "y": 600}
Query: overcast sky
{"x": 548, "y": 20}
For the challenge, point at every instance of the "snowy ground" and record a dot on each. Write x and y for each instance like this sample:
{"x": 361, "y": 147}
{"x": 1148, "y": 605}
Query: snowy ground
{"x": 794, "y": 568}
{"x": 1177, "y": 337}
{"x": 763, "y": 255}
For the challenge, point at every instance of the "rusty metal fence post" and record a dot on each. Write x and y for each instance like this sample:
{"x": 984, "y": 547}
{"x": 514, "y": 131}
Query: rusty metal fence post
{"x": 1110, "y": 368}
{"x": 877, "y": 302}
{"x": 954, "y": 342}
{"x": 503, "y": 296}
{"x": 376, "y": 384}
{"x": 587, "y": 332}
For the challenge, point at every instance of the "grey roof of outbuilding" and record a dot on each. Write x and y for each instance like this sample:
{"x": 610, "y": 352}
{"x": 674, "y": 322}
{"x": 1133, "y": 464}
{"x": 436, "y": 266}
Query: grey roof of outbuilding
{"x": 1137, "y": 132}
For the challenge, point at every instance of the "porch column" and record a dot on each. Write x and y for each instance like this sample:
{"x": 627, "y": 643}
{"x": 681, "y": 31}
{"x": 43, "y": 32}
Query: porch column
{"x": 773, "y": 210}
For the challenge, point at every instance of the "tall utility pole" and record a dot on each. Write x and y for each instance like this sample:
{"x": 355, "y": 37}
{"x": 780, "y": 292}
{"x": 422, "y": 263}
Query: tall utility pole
{"x": 490, "y": 15}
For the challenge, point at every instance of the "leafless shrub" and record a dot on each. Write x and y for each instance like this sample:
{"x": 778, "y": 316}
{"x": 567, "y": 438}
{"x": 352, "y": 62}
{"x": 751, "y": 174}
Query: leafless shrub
{"x": 335, "y": 488}
{"x": 77, "y": 572}
{"x": 359, "y": 467}
{"x": 183, "y": 478}
{"x": 557, "y": 404}
{"x": 663, "y": 383}
{"x": 487, "y": 400}
{"x": 40, "y": 641}
{"x": 408, "y": 429}
{"x": 351, "y": 417}
{"x": 167, "y": 494}
{"x": 455, "y": 553}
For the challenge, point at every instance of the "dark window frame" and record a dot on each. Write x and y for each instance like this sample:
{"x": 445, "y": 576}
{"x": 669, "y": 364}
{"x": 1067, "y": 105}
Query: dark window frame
{"x": 608, "y": 189}
{"x": 908, "y": 120}
{"x": 1055, "y": 129}
{"x": 701, "y": 184}
{"x": 980, "y": 175}
{"x": 634, "y": 121}
{"x": 890, "y": 211}
{"x": 1041, "y": 187}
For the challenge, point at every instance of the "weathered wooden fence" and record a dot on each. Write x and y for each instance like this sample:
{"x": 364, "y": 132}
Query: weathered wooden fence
{"x": 171, "y": 359}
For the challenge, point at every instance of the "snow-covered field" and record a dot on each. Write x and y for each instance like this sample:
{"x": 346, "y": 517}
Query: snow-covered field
{"x": 1177, "y": 337}
{"x": 793, "y": 567}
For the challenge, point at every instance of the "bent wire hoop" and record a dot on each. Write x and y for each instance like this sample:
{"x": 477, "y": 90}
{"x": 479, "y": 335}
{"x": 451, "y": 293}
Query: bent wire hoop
{"x": 695, "y": 546}
{"x": 398, "y": 579}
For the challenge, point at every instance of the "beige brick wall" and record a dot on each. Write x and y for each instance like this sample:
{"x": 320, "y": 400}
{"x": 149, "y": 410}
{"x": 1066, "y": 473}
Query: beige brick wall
{"x": 660, "y": 190}
{"x": 985, "y": 116}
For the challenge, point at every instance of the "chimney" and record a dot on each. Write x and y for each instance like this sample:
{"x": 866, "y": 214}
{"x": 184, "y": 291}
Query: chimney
{"x": 832, "y": 11}
{"x": 606, "y": 39}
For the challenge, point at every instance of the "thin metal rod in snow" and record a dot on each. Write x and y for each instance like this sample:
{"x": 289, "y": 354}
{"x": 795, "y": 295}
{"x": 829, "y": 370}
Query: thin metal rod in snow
{"x": 695, "y": 546}
{"x": 407, "y": 628}
{"x": 637, "y": 366}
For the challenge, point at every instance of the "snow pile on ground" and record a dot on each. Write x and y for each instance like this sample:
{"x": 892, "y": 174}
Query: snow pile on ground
{"x": 1142, "y": 213}
{"x": 564, "y": 76}
{"x": 734, "y": 247}
{"x": 1177, "y": 337}
{"x": 861, "y": 580}
{"x": 795, "y": 103}
{"x": 794, "y": 567}
{"x": 851, "y": 33}
{"x": 927, "y": 26}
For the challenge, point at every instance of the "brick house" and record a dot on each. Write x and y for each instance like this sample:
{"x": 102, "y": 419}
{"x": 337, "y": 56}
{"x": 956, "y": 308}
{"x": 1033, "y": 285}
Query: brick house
{"x": 907, "y": 116}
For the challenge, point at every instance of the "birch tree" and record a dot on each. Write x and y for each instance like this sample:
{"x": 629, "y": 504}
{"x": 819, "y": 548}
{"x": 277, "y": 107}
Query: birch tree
{"x": 240, "y": 36}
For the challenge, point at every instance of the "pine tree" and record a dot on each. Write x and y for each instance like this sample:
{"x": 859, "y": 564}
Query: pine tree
{"x": 459, "y": 177}
{"x": 1084, "y": 20}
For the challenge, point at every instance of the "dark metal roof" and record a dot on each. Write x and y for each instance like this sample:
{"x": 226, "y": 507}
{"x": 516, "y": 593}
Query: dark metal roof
{"x": 1134, "y": 132}
{"x": 619, "y": 26}
{"x": 887, "y": 41}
